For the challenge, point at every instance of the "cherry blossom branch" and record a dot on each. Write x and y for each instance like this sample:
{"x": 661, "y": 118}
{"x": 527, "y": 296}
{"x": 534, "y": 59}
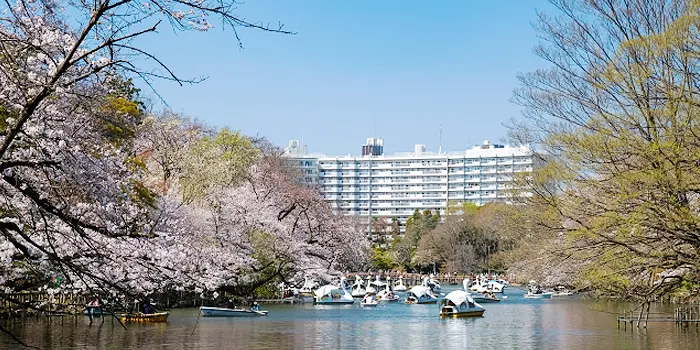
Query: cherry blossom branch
{"x": 26, "y": 163}
{"x": 29, "y": 108}
{"x": 111, "y": 41}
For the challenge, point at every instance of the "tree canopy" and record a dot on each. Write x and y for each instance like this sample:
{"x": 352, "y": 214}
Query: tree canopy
{"x": 615, "y": 118}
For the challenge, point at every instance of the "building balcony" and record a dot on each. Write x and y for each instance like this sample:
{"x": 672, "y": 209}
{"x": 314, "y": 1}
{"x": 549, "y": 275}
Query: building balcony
{"x": 432, "y": 180}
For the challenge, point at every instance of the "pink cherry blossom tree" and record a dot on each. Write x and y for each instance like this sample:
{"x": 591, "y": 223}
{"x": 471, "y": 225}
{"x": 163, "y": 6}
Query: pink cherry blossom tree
{"x": 72, "y": 195}
{"x": 251, "y": 209}
{"x": 91, "y": 191}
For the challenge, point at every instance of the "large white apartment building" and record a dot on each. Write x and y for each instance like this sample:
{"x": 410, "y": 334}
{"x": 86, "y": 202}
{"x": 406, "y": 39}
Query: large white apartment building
{"x": 393, "y": 186}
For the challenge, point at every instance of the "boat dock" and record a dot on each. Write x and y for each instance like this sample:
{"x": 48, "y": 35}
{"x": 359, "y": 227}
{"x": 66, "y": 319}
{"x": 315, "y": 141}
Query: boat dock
{"x": 682, "y": 317}
{"x": 41, "y": 302}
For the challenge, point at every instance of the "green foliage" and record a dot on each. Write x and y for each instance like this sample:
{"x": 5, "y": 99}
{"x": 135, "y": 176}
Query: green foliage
{"x": 262, "y": 246}
{"x": 4, "y": 114}
{"x": 267, "y": 291}
{"x": 617, "y": 118}
{"x": 121, "y": 113}
{"x": 468, "y": 208}
{"x": 216, "y": 162}
{"x": 142, "y": 194}
{"x": 420, "y": 223}
{"x": 381, "y": 260}
{"x": 135, "y": 164}
{"x": 403, "y": 250}
{"x": 126, "y": 89}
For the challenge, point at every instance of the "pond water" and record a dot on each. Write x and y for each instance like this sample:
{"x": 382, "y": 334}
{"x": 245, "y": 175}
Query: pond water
{"x": 515, "y": 323}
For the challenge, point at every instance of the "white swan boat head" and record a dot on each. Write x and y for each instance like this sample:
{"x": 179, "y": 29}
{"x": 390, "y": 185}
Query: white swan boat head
{"x": 378, "y": 282}
{"x": 400, "y": 287}
{"x": 308, "y": 286}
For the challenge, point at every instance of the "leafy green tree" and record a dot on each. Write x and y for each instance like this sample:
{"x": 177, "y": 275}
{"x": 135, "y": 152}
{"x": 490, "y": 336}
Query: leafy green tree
{"x": 381, "y": 260}
{"x": 217, "y": 161}
{"x": 416, "y": 226}
{"x": 615, "y": 118}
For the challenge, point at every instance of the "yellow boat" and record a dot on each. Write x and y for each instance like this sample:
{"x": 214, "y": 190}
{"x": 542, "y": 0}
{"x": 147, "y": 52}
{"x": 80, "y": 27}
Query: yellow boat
{"x": 141, "y": 317}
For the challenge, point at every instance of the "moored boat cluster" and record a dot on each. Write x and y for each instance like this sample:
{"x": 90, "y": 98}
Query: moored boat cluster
{"x": 464, "y": 302}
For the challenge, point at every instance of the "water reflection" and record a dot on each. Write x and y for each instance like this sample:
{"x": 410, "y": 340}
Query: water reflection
{"x": 513, "y": 323}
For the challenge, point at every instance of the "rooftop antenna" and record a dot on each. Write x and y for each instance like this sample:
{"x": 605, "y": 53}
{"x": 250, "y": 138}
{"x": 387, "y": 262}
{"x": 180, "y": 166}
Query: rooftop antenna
{"x": 302, "y": 135}
{"x": 440, "y": 151}
{"x": 375, "y": 126}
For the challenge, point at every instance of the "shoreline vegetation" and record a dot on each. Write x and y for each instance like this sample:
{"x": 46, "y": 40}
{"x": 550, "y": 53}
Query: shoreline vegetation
{"x": 101, "y": 196}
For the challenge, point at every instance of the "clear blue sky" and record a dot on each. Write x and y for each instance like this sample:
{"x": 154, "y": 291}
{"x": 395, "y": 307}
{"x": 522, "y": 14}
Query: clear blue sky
{"x": 412, "y": 65}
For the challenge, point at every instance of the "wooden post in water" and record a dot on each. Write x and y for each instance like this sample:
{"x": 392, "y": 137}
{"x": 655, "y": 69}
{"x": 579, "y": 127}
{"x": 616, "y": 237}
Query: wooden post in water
{"x": 683, "y": 316}
{"x": 646, "y": 320}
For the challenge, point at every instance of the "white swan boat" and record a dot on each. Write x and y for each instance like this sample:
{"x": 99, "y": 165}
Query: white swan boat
{"x": 208, "y": 311}
{"x": 400, "y": 287}
{"x": 370, "y": 289}
{"x": 344, "y": 284}
{"x": 368, "y": 301}
{"x": 459, "y": 303}
{"x": 484, "y": 297}
{"x": 308, "y": 288}
{"x": 330, "y": 294}
{"x": 358, "y": 288}
{"x": 386, "y": 294}
{"x": 487, "y": 286}
{"x": 433, "y": 284}
{"x": 503, "y": 282}
{"x": 421, "y": 295}
{"x": 377, "y": 283}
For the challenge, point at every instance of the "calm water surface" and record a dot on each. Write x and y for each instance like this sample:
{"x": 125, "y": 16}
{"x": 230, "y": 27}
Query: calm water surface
{"x": 515, "y": 323}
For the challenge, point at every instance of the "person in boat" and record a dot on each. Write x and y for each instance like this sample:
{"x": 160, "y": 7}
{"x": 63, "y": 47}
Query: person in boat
{"x": 93, "y": 305}
{"x": 256, "y": 306}
{"x": 491, "y": 295}
{"x": 229, "y": 304}
{"x": 148, "y": 308}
